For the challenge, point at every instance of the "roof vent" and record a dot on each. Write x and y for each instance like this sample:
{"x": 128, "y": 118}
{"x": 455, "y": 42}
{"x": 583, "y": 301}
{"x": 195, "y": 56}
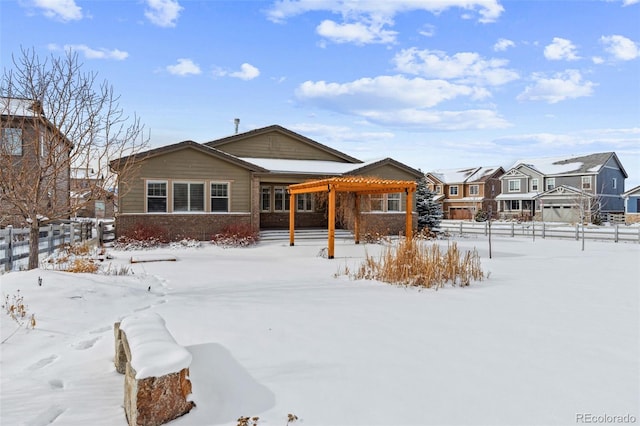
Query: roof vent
{"x": 236, "y": 121}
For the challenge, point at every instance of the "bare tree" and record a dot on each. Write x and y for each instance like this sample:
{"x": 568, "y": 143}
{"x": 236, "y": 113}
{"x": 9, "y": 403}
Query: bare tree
{"x": 55, "y": 117}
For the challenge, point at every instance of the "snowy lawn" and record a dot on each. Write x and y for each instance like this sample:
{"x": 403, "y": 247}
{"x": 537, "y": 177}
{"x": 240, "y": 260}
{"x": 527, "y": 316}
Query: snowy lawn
{"x": 551, "y": 335}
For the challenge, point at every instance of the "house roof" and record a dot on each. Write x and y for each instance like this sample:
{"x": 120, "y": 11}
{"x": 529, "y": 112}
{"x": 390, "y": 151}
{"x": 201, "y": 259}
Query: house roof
{"x": 633, "y": 191}
{"x": 115, "y": 164}
{"x": 465, "y": 175}
{"x": 577, "y": 164}
{"x": 252, "y": 133}
{"x": 20, "y": 107}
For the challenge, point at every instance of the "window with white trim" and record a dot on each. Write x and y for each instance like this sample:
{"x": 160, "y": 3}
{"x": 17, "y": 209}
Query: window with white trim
{"x": 514, "y": 185}
{"x": 474, "y": 190}
{"x": 11, "y": 142}
{"x": 280, "y": 199}
{"x": 534, "y": 184}
{"x": 304, "y": 202}
{"x": 615, "y": 183}
{"x": 156, "y": 196}
{"x": 453, "y": 190}
{"x": 586, "y": 182}
{"x": 393, "y": 202}
{"x": 377, "y": 202}
{"x": 551, "y": 183}
{"x": 219, "y": 196}
{"x": 265, "y": 198}
{"x": 438, "y": 189}
{"x": 188, "y": 197}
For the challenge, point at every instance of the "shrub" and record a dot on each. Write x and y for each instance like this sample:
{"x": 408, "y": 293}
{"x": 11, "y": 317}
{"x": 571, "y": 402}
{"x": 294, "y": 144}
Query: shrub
{"x": 412, "y": 263}
{"x": 143, "y": 236}
{"x": 236, "y": 235}
{"x": 17, "y": 310}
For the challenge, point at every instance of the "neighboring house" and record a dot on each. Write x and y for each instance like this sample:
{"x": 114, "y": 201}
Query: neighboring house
{"x": 632, "y": 205}
{"x": 196, "y": 190}
{"x": 462, "y": 193}
{"x": 89, "y": 198}
{"x": 32, "y": 150}
{"x": 567, "y": 189}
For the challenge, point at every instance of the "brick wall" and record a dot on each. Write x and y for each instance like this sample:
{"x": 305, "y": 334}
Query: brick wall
{"x": 385, "y": 223}
{"x": 176, "y": 226}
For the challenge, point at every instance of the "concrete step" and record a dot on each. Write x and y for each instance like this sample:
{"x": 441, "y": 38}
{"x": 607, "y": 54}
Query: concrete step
{"x": 303, "y": 234}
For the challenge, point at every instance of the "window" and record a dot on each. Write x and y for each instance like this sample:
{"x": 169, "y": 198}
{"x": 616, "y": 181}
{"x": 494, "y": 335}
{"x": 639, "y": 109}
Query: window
{"x": 304, "y": 202}
{"x": 12, "y": 141}
{"x": 512, "y": 204}
{"x": 188, "y": 197}
{"x": 534, "y": 184}
{"x": 474, "y": 190}
{"x": 377, "y": 202}
{"x": 280, "y": 199}
{"x": 265, "y": 198}
{"x": 614, "y": 183}
{"x": 438, "y": 189}
{"x": 453, "y": 190}
{"x": 514, "y": 185}
{"x": 393, "y": 202}
{"x": 156, "y": 196}
{"x": 586, "y": 182}
{"x": 551, "y": 183}
{"x": 219, "y": 197}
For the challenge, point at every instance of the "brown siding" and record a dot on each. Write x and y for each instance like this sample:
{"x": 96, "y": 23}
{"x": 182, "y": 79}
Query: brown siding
{"x": 276, "y": 145}
{"x": 188, "y": 165}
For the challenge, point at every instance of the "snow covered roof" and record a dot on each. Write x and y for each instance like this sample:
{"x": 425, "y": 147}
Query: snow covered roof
{"x": 578, "y": 164}
{"x": 465, "y": 175}
{"x": 19, "y": 107}
{"x": 517, "y": 196}
{"x": 311, "y": 167}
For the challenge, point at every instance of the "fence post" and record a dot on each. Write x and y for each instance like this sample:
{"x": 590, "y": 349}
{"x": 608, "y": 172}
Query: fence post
{"x": 513, "y": 229}
{"x": 460, "y": 227}
{"x": 49, "y": 239}
{"x": 9, "y": 266}
{"x": 577, "y": 232}
{"x": 616, "y": 233}
{"x": 486, "y": 228}
{"x": 543, "y": 231}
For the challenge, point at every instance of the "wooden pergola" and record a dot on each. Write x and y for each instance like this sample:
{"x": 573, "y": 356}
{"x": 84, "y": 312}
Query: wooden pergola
{"x": 359, "y": 186}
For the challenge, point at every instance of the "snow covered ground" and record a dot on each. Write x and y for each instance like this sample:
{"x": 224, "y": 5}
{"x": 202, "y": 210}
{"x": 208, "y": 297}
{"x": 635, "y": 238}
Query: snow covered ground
{"x": 550, "y": 338}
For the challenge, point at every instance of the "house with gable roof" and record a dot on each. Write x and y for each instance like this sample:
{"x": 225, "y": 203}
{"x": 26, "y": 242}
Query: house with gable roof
{"x": 563, "y": 189}
{"x": 632, "y": 205}
{"x": 195, "y": 190}
{"x": 462, "y": 193}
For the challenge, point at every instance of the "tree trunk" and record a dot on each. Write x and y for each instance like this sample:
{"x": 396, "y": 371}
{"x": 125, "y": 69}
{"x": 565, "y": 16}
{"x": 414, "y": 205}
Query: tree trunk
{"x": 34, "y": 245}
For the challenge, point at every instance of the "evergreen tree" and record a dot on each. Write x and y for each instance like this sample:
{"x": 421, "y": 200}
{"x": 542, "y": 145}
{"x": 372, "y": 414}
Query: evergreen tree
{"x": 429, "y": 211}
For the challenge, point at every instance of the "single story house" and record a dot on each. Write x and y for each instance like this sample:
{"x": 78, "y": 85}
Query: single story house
{"x": 196, "y": 190}
{"x": 632, "y": 205}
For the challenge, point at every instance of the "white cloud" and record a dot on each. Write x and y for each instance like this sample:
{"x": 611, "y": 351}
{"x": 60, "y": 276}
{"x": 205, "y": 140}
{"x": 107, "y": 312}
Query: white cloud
{"x": 428, "y": 30}
{"x": 359, "y": 32}
{"x": 463, "y": 66}
{"x": 562, "y": 86}
{"x": 503, "y": 44}
{"x": 63, "y": 10}
{"x": 474, "y": 119}
{"x": 91, "y": 53}
{"x": 620, "y": 47}
{"x": 561, "y": 49}
{"x": 184, "y": 67}
{"x": 629, "y": 2}
{"x": 163, "y": 13}
{"x": 247, "y": 72}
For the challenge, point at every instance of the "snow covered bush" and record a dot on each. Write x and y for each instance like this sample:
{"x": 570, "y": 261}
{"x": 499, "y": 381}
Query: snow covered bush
{"x": 236, "y": 235}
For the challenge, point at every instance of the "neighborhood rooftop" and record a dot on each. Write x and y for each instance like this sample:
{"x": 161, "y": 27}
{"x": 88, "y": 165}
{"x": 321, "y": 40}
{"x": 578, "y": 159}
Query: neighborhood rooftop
{"x": 577, "y": 164}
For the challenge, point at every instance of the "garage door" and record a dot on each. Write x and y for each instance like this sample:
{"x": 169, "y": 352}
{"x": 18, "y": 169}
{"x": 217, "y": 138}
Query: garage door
{"x": 459, "y": 213}
{"x": 565, "y": 214}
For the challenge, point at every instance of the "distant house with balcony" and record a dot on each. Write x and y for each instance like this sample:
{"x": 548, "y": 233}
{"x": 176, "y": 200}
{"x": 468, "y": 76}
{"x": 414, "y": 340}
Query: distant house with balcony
{"x": 462, "y": 193}
{"x": 563, "y": 189}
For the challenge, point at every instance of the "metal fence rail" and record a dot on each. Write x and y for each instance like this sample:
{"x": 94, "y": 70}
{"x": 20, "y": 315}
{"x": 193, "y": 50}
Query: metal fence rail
{"x": 14, "y": 242}
{"x": 615, "y": 233}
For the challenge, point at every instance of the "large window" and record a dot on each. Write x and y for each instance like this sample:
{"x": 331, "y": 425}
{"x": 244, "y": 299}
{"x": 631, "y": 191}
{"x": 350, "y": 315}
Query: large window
{"x": 393, "y": 202}
{"x": 188, "y": 197}
{"x": 534, "y": 184}
{"x": 474, "y": 190}
{"x": 512, "y": 204}
{"x": 156, "y": 196}
{"x": 453, "y": 190}
{"x": 220, "y": 197}
{"x": 304, "y": 202}
{"x": 514, "y": 185}
{"x": 11, "y": 141}
{"x": 586, "y": 182}
{"x": 280, "y": 199}
{"x": 377, "y": 202}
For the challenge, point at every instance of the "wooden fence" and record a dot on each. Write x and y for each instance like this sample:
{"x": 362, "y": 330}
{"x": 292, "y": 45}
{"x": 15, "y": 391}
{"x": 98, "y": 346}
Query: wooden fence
{"x": 615, "y": 233}
{"x": 14, "y": 243}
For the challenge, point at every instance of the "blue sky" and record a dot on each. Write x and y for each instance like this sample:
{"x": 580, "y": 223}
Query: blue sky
{"x": 436, "y": 84}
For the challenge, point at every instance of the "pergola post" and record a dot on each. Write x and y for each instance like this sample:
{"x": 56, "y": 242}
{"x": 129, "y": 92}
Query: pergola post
{"x": 292, "y": 219}
{"x": 409, "y": 215}
{"x": 332, "y": 221}
{"x": 356, "y": 225}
